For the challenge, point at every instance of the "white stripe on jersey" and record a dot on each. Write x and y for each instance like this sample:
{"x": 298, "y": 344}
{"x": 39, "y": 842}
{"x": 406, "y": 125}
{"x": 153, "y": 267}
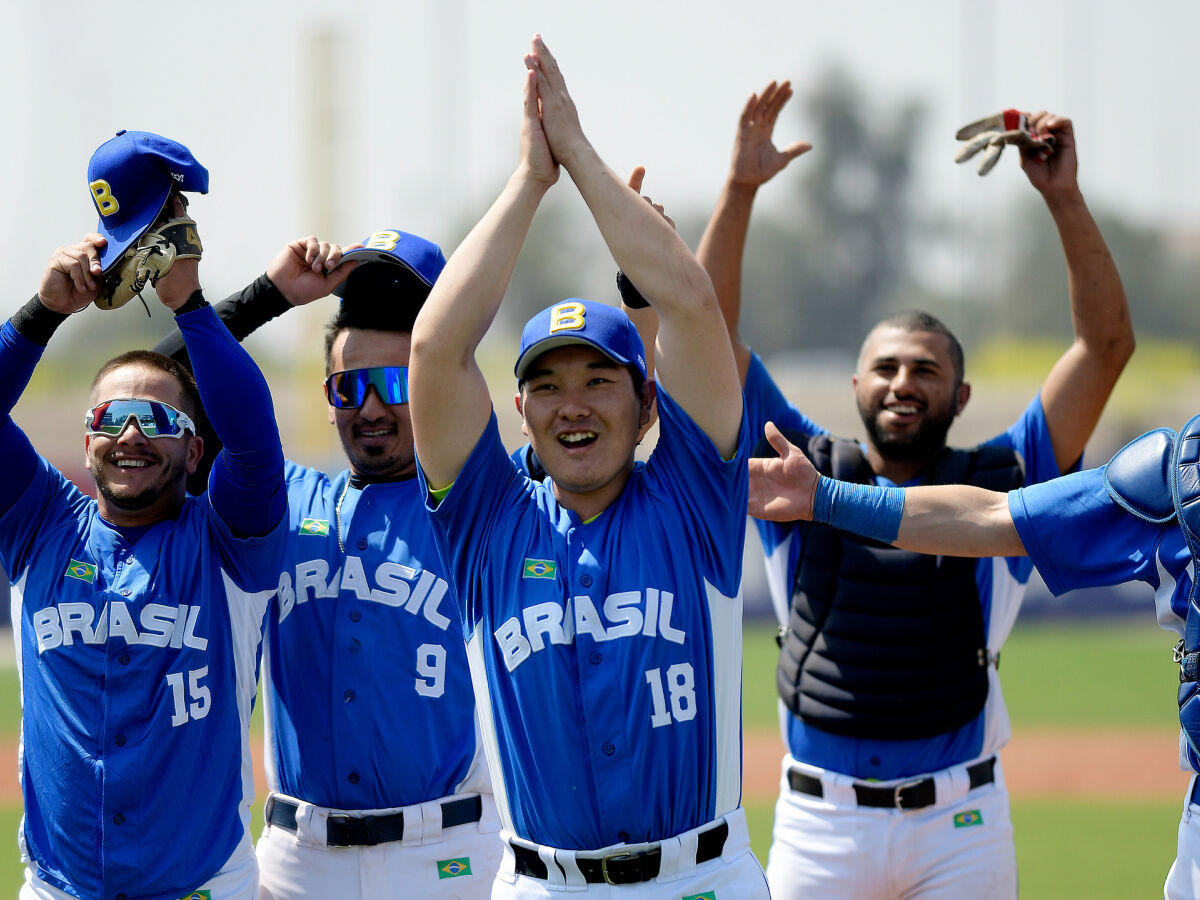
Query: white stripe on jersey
{"x": 486, "y": 723}
{"x": 246, "y": 630}
{"x": 1167, "y": 586}
{"x": 1007, "y": 592}
{"x": 268, "y": 701}
{"x": 726, "y": 616}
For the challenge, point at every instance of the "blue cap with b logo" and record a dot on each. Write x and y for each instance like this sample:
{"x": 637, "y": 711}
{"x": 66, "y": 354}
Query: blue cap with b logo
{"x": 576, "y": 321}
{"x": 130, "y": 177}
{"x": 418, "y": 257}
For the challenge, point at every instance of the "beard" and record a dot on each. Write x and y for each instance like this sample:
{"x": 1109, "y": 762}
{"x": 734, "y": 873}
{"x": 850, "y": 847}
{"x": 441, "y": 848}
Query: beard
{"x": 121, "y": 498}
{"x": 923, "y": 443}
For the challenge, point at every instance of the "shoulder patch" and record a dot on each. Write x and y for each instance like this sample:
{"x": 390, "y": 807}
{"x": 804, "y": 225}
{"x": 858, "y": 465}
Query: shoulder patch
{"x": 1138, "y": 476}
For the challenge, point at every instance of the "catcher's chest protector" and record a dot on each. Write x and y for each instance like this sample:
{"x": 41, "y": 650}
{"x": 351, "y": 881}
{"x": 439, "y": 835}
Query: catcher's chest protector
{"x": 881, "y": 642}
{"x": 1157, "y": 478}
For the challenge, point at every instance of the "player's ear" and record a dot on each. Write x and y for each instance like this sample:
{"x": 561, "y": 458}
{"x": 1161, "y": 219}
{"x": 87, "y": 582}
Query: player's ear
{"x": 521, "y": 413}
{"x": 87, "y": 443}
{"x": 963, "y": 394}
{"x": 195, "y": 452}
{"x": 646, "y": 414}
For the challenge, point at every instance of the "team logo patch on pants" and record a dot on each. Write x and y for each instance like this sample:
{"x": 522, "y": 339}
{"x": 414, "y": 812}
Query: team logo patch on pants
{"x": 969, "y": 818}
{"x": 453, "y": 868}
{"x": 198, "y": 895}
{"x": 707, "y": 895}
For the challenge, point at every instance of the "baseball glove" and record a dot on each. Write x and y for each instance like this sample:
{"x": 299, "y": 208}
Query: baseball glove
{"x": 149, "y": 259}
{"x": 992, "y": 133}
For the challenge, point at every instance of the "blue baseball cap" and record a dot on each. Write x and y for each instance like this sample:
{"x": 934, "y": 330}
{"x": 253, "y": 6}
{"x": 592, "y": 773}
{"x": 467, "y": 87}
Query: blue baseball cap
{"x": 423, "y": 259}
{"x": 131, "y": 176}
{"x": 575, "y": 321}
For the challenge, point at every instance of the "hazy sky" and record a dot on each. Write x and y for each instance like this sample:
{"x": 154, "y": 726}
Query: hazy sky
{"x": 426, "y": 102}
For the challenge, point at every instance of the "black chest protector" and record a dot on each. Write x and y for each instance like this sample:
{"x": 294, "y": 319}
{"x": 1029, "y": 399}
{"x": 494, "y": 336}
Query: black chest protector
{"x": 881, "y": 642}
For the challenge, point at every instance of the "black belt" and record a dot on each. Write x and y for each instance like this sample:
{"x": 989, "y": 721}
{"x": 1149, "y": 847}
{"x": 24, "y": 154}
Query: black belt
{"x": 624, "y": 868}
{"x": 367, "y": 831}
{"x": 906, "y": 795}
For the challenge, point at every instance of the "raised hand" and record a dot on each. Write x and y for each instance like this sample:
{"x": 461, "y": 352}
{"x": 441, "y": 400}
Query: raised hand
{"x": 308, "y": 269}
{"x": 782, "y": 489}
{"x": 1057, "y": 172}
{"x": 559, "y": 118}
{"x": 535, "y": 149}
{"x": 73, "y": 278}
{"x": 756, "y": 159}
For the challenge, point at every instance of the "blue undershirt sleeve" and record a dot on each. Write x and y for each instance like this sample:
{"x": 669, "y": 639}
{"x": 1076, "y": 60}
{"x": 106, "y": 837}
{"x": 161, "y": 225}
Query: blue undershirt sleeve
{"x": 246, "y": 486}
{"x": 18, "y": 357}
{"x": 868, "y": 510}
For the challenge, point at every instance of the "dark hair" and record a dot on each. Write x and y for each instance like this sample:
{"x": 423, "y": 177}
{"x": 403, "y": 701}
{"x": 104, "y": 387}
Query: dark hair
{"x": 918, "y": 320}
{"x": 151, "y": 360}
{"x": 378, "y": 296}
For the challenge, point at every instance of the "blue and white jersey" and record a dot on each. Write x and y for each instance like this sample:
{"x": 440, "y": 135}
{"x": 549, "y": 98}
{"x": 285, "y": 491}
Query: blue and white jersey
{"x": 137, "y": 651}
{"x": 1078, "y": 536}
{"x": 1001, "y": 583}
{"x": 370, "y": 704}
{"x": 606, "y": 655}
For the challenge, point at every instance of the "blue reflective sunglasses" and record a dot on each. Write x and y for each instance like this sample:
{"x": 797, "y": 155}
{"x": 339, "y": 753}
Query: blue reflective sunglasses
{"x": 154, "y": 418}
{"x": 348, "y": 389}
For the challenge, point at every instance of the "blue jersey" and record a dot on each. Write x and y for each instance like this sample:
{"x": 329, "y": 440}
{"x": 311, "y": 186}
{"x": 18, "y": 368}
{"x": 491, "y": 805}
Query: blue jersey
{"x": 370, "y": 703}
{"x": 137, "y": 651}
{"x": 606, "y": 655}
{"x": 1001, "y": 585}
{"x": 1078, "y": 536}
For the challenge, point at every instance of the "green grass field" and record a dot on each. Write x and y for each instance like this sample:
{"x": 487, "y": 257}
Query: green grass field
{"x": 1106, "y": 676}
{"x": 1099, "y": 677}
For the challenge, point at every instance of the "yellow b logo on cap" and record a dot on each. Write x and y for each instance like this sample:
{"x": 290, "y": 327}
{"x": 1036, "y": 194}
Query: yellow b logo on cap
{"x": 105, "y": 201}
{"x": 383, "y": 240}
{"x": 567, "y": 317}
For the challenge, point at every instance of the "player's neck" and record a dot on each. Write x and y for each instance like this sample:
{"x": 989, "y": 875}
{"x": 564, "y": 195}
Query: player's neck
{"x": 897, "y": 471}
{"x": 589, "y": 504}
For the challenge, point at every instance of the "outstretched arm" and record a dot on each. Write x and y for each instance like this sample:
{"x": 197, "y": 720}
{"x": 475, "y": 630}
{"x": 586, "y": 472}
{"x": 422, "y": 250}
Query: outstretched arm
{"x": 947, "y": 520}
{"x": 1079, "y": 385}
{"x": 756, "y": 161}
{"x": 449, "y": 400}
{"x": 693, "y": 357}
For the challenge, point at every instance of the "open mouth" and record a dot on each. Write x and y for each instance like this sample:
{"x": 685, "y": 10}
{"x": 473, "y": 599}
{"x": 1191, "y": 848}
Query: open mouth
{"x": 127, "y": 463}
{"x": 577, "y": 438}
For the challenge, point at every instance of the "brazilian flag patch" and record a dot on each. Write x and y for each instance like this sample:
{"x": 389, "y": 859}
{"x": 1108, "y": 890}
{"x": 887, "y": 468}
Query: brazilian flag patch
{"x": 81, "y": 570}
{"x": 968, "y": 818}
{"x": 540, "y": 568}
{"x": 707, "y": 895}
{"x": 198, "y": 895}
{"x": 453, "y": 868}
{"x": 315, "y": 527}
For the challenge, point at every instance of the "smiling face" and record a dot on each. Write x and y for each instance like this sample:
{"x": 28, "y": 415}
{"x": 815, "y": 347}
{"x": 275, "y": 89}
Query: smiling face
{"x": 908, "y": 393}
{"x": 140, "y": 480}
{"x": 377, "y": 437}
{"x": 582, "y": 415}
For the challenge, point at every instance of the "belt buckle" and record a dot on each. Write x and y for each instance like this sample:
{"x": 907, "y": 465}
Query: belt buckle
{"x": 341, "y": 818}
{"x": 604, "y": 861}
{"x": 897, "y": 800}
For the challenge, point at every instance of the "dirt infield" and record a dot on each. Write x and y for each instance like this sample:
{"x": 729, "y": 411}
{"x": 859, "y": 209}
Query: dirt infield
{"x": 1093, "y": 764}
{"x": 1104, "y": 765}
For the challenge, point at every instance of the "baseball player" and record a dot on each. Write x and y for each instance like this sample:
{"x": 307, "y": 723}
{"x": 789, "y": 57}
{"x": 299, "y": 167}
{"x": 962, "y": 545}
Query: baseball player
{"x": 890, "y": 705}
{"x": 601, "y": 607}
{"x": 138, "y": 615}
{"x": 377, "y": 778}
{"x": 1134, "y": 519}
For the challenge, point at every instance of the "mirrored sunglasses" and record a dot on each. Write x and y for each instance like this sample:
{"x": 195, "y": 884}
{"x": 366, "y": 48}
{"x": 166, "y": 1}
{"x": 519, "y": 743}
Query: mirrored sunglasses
{"x": 348, "y": 389}
{"x": 154, "y": 418}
